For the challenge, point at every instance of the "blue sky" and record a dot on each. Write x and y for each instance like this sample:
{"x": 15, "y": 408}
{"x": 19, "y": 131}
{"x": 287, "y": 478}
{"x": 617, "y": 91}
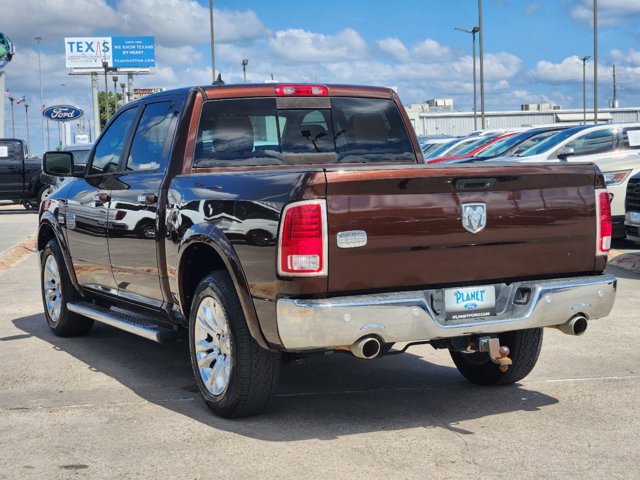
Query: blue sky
{"x": 530, "y": 47}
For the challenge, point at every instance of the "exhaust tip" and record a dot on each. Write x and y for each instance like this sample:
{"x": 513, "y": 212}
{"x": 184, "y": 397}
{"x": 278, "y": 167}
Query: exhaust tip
{"x": 367, "y": 348}
{"x": 579, "y": 325}
{"x": 576, "y": 325}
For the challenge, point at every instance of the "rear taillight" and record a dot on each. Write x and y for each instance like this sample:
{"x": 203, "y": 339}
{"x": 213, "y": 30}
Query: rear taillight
{"x": 120, "y": 214}
{"x": 302, "y": 244}
{"x": 302, "y": 91}
{"x": 603, "y": 222}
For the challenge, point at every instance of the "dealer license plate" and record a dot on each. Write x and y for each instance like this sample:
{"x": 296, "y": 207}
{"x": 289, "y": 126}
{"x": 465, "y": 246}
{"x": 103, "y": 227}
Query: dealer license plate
{"x": 470, "y": 302}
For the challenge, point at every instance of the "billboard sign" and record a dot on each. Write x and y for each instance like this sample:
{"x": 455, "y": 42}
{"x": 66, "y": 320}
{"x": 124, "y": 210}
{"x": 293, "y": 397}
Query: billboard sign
{"x": 143, "y": 92}
{"x": 62, "y": 113}
{"x": 118, "y": 52}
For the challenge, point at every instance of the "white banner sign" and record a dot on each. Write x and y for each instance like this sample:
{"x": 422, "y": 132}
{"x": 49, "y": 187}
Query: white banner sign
{"x": 87, "y": 52}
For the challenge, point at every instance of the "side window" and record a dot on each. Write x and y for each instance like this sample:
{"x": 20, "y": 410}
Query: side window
{"x": 153, "y": 138}
{"x": 593, "y": 142}
{"x": 109, "y": 148}
{"x": 630, "y": 138}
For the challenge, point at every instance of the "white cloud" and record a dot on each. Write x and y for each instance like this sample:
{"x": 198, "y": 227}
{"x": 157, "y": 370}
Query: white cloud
{"x": 429, "y": 50}
{"x": 610, "y": 12}
{"x": 393, "y": 47}
{"x": 178, "y": 56}
{"x": 569, "y": 70}
{"x": 45, "y": 18}
{"x": 179, "y": 22}
{"x": 302, "y": 46}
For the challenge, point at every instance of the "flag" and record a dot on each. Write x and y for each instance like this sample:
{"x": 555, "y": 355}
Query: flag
{"x": 7, "y": 93}
{"x": 20, "y": 100}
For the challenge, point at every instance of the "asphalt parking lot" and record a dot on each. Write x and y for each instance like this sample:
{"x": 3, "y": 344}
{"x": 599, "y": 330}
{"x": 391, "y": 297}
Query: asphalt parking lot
{"x": 112, "y": 405}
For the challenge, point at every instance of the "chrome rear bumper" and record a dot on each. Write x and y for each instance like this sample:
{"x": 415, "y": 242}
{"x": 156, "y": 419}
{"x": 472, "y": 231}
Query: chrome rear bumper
{"x": 411, "y": 316}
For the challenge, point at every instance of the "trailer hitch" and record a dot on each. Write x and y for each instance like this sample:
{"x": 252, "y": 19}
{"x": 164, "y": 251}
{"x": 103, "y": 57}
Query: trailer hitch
{"x": 498, "y": 355}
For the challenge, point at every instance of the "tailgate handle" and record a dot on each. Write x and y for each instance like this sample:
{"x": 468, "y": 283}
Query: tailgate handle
{"x": 474, "y": 183}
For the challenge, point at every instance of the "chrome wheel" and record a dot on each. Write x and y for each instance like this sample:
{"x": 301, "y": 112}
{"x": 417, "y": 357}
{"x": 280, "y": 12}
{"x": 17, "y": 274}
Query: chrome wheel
{"x": 52, "y": 288}
{"x": 212, "y": 342}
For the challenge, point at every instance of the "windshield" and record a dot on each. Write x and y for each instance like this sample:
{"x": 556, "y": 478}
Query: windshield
{"x": 469, "y": 147}
{"x": 441, "y": 149}
{"x": 254, "y": 131}
{"x": 534, "y": 140}
{"x": 548, "y": 143}
{"x": 503, "y": 145}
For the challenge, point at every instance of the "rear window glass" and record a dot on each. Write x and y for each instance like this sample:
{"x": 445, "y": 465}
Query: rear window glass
{"x": 631, "y": 138}
{"x": 255, "y": 132}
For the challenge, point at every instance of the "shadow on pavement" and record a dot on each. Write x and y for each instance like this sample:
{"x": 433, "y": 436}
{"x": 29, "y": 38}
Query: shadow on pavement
{"x": 329, "y": 397}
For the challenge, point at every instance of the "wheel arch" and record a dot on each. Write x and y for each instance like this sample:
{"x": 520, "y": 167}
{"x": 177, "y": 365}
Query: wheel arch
{"x": 206, "y": 249}
{"x": 50, "y": 229}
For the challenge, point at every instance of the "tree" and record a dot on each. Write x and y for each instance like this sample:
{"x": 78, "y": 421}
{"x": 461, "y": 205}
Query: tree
{"x": 114, "y": 102}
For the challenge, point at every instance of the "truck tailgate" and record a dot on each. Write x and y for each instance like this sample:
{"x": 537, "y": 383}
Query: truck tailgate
{"x": 540, "y": 222}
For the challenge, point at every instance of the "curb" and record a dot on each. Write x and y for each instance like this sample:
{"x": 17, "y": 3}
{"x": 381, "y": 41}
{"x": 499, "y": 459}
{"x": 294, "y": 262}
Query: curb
{"x": 14, "y": 255}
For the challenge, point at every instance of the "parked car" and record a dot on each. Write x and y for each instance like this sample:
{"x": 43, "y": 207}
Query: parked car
{"x": 455, "y": 145}
{"x": 586, "y": 143}
{"x": 20, "y": 174}
{"x": 632, "y": 207}
{"x": 431, "y": 142}
{"x": 366, "y": 246}
{"x": 473, "y": 149}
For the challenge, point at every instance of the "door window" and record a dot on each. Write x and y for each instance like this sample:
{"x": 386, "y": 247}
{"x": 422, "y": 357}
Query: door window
{"x": 153, "y": 138}
{"x": 110, "y": 147}
{"x": 593, "y": 142}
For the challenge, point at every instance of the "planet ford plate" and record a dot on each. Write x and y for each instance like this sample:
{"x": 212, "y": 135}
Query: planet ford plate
{"x": 470, "y": 302}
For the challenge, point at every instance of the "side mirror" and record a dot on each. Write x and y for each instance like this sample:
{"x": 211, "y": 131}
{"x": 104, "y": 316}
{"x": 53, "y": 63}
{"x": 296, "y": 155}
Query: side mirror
{"x": 59, "y": 164}
{"x": 565, "y": 153}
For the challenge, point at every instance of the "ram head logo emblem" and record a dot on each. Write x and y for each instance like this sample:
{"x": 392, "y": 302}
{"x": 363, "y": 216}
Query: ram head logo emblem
{"x": 474, "y": 217}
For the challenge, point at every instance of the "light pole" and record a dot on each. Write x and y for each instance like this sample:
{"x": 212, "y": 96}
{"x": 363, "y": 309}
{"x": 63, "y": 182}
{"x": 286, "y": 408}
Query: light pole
{"x": 245, "y": 62}
{"x": 483, "y": 124}
{"x": 473, "y": 32}
{"x": 39, "y": 39}
{"x": 213, "y": 58}
{"x": 115, "y": 93}
{"x": 584, "y": 87}
{"x": 122, "y": 85}
{"x": 595, "y": 62}
{"x": 26, "y": 115}
{"x": 13, "y": 123}
{"x": 105, "y": 65}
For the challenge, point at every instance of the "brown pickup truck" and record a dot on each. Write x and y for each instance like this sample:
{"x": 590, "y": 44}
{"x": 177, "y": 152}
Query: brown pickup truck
{"x": 264, "y": 220}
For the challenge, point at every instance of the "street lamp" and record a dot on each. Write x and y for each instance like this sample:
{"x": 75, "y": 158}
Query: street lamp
{"x": 473, "y": 32}
{"x": 122, "y": 85}
{"x": 26, "y": 114}
{"x": 213, "y": 58}
{"x": 39, "y": 39}
{"x": 584, "y": 87}
{"x": 483, "y": 126}
{"x": 115, "y": 93}
{"x": 105, "y": 65}
{"x": 245, "y": 62}
{"x": 13, "y": 123}
{"x": 595, "y": 62}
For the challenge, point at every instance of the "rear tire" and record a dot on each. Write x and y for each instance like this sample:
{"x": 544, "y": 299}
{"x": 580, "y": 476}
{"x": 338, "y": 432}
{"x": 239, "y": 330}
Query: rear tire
{"x": 525, "y": 348}
{"x": 235, "y": 376}
{"x": 34, "y": 203}
{"x": 57, "y": 291}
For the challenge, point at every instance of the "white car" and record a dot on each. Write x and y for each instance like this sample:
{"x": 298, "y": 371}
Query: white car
{"x": 586, "y": 143}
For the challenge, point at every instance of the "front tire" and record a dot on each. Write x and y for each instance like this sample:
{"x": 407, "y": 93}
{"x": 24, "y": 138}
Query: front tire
{"x": 235, "y": 376}
{"x": 57, "y": 291}
{"x": 525, "y": 348}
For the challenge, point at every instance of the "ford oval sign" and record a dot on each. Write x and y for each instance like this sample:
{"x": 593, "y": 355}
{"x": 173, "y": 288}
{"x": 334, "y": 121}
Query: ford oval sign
{"x": 62, "y": 113}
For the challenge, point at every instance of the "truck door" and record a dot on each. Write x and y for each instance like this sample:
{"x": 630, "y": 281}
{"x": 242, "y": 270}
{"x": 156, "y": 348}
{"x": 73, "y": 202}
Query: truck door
{"x": 133, "y": 212}
{"x": 88, "y": 205}
{"x": 11, "y": 168}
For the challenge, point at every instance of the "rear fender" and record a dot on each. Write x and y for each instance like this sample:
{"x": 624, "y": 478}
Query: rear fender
{"x": 214, "y": 238}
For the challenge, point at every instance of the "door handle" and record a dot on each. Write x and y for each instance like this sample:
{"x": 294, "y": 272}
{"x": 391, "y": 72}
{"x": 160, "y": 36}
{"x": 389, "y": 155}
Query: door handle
{"x": 101, "y": 197}
{"x": 147, "y": 198}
